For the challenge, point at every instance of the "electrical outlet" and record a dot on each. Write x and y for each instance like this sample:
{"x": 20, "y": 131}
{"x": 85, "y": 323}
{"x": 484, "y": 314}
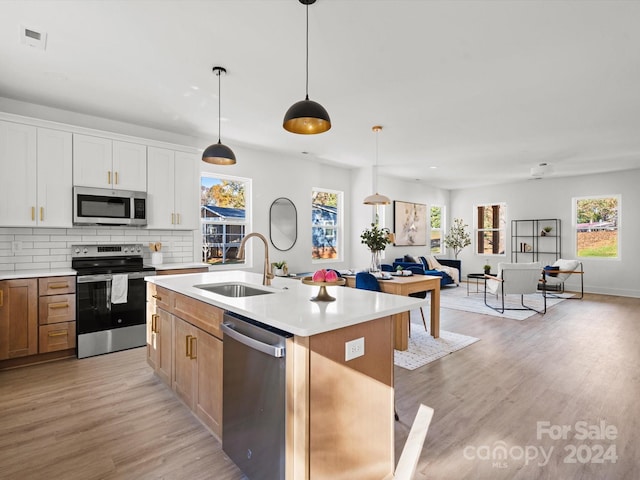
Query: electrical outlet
{"x": 16, "y": 247}
{"x": 354, "y": 349}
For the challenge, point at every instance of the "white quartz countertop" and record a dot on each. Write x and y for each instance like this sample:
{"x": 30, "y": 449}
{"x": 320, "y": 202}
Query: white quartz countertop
{"x": 43, "y": 272}
{"x": 289, "y": 308}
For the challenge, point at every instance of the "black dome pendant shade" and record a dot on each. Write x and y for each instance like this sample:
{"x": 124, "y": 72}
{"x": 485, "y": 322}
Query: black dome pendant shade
{"x": 307, "y": 117}
{"x": 219, "y": 154}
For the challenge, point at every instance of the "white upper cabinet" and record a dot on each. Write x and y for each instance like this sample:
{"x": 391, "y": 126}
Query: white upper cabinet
{"x": 172, "y": 191}
{"x": 104, "y": 163}
{"x": 35, "y": 187}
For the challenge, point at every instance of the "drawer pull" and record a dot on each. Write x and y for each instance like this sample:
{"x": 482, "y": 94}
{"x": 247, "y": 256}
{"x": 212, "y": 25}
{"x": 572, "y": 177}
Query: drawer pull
{"x": 59, "y": 305}
{"x": 157, "y": 297}
{"x": 1, "y": 297}
{"x": 57, "y": 286}
{"x": 61, "y": 333}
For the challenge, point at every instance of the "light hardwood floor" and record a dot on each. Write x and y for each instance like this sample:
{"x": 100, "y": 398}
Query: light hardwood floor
{"x": 110, "y": 418}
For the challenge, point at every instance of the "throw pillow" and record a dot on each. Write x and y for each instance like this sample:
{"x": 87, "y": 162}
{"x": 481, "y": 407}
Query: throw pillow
{"x": 550, "y": 268}
{"x": 411, "y": 259}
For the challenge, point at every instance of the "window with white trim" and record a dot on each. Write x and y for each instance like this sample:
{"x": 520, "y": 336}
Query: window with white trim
{"x": 436, "y": 222}
{"x": 596, "y": 222}
{"x": 491, "y": 229}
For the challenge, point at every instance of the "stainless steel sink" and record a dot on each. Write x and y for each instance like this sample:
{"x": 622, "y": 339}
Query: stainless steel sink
{"x": 233, "y": 289}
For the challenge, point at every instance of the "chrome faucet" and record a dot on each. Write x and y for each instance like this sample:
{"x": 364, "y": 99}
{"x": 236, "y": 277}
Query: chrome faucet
{"x": 266, "y": 273}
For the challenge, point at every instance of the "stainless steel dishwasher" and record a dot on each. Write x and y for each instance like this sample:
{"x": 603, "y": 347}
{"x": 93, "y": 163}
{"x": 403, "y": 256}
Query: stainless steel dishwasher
{"x": 253, "y": 397}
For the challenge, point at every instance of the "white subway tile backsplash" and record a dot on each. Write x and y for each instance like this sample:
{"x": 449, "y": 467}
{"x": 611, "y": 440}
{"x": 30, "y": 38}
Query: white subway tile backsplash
{"x": 43, "y": 248}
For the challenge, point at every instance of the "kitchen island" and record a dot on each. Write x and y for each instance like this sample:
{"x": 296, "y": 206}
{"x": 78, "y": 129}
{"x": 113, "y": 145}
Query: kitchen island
{"x": 339, "y": 413}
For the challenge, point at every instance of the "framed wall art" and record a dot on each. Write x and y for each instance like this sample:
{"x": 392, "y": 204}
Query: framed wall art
{"x": 410, "y": 223}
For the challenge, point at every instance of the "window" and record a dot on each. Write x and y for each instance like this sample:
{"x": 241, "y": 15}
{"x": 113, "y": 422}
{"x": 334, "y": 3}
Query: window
{"x": 437, "y": 229}
{"x": 596, "y": 221}
{"x": 326, "y": 224}
{"x": 491, "y": 229}
{"x": 223, "y": 217}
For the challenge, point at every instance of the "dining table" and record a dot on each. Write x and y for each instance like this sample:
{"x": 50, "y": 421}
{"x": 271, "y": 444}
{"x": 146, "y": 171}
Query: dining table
{"x": 406, "y": 285}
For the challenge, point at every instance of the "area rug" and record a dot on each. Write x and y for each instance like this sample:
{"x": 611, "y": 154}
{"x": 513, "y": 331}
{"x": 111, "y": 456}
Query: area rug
{"x": 423, "y": 348}
{"x": 456, "y": 298}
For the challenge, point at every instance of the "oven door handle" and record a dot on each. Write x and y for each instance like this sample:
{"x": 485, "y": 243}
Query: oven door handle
{"x": 94, "y": 278}
{"x": 107, "y": 277}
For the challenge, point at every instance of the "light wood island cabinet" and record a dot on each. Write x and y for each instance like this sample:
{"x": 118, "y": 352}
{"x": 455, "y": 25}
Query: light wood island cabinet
{"x": 339, "y": 414}
{"x": 184, "y": 347}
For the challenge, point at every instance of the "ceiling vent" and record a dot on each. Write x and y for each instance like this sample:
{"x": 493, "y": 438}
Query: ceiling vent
{"x": 541, "y": 170}
{"x": 33, "y": 37}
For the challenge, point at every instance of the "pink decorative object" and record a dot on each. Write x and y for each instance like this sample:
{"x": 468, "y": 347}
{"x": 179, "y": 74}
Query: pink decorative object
{"x": 330, "y": 276}
{"x": 319, "y": 275}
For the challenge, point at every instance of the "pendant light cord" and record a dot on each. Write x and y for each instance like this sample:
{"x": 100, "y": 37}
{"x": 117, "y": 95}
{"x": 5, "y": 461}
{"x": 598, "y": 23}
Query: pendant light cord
{"x": 219, "y": 72}
{"x": 307, "y": 71}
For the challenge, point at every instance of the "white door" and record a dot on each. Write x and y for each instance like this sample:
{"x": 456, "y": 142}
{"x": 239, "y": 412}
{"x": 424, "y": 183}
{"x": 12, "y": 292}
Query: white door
{"x": 92, "y": 161}
{"x": 18, "y": 174}
{"x": 129, "y": 166}
{"x": 54, "y": 178}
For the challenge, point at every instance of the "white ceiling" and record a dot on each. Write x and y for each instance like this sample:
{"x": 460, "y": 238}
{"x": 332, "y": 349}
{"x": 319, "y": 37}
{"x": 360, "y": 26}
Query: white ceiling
{"x": 481, "y": 90}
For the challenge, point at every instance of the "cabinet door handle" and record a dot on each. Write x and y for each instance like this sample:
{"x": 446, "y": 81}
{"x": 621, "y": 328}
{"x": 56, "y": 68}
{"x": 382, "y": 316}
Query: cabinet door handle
{"x": 116, "y": 175}
{"x": 154, "y": 323}
{"x": 59, "y": 305}
{"x": 60, "y": 333}
{"x": 188, "y": 344}
{"x": 33, "y": 214}
{"x": 41, "y": 214}
{"x": 56, "y": 286}
{"x": 173, "y": 219}
{"x": 178, "y": 215}
{"x": 1, "y": 298}
{"x": 109, "y": 177}
{"x": 193, "y": 352}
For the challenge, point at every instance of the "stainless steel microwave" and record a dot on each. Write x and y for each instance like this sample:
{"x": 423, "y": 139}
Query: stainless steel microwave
{"x": 101, "y": 206}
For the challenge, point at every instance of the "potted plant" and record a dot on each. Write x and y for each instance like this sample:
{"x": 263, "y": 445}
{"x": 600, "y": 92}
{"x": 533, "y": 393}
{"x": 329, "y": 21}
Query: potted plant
{"x": 487, "y": 268}
{"x": 376, "y": 239}
{"x": 457, "y": 238}
{"x": 545, "y": 230}
{"x": 280, "y": 268}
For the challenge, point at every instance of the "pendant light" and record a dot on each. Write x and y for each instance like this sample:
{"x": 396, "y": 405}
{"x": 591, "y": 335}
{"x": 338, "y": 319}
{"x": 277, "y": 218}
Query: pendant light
{"x": 307, "y": 117}
{"x": 376, "y": 198}
{"x": 217, "y": 153}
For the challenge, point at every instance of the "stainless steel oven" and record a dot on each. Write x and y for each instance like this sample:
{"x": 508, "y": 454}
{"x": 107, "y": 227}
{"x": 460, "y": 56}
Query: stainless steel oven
{"x": 110, "y": 298}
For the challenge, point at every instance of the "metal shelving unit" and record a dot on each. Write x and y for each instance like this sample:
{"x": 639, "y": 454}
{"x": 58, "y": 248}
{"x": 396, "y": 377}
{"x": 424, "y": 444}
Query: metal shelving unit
{"x": 530, "y": 243}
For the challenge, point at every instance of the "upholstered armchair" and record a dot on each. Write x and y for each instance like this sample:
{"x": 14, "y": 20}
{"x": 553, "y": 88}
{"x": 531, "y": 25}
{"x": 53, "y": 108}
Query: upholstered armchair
{"x": 514, "y": 278}
{"x": 554, "y": 276}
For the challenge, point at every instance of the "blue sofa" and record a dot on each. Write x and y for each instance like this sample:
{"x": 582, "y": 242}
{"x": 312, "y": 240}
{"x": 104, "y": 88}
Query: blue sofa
{"x": 446, "y": 279}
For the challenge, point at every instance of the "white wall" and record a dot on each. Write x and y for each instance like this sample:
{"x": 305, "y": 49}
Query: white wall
{"x": 395, "y": 189}
{"x": 275, "y": 176}
{"x": 552, "y": 198}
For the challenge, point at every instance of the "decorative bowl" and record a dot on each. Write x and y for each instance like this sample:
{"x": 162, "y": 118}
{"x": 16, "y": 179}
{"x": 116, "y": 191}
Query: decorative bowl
{"x": 323, "y": 295}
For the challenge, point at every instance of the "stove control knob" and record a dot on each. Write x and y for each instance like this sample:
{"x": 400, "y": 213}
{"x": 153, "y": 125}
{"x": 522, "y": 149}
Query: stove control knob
{"x": 138, "y": 249}
{"x": 85, "y": 250}
{"x": 125, "y": 249}
{"x": 76, "y": 251}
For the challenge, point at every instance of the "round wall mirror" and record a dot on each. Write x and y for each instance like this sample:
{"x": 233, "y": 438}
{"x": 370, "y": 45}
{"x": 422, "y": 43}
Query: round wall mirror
{"x": 283, "y": 224}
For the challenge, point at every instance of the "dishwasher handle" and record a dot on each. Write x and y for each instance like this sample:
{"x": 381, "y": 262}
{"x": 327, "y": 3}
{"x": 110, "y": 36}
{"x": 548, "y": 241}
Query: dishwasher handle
{"x": 272, "y": 350}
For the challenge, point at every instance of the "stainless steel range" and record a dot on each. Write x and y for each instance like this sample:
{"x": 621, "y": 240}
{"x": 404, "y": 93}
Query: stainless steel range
{"x": 110, "y": 297}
